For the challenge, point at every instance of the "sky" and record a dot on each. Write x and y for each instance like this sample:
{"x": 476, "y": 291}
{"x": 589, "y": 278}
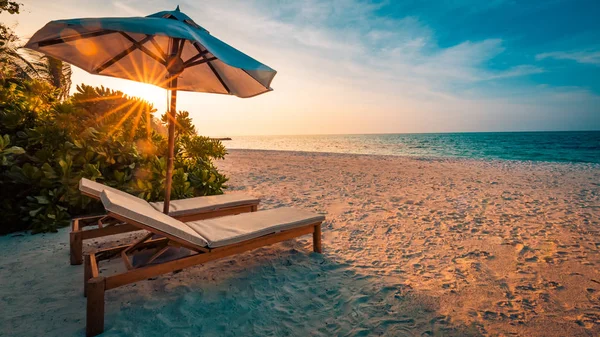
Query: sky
{"x": 352, "y": 66}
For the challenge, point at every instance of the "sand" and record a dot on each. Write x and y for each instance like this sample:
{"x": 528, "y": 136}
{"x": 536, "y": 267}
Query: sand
{"x": 411, "y": 247}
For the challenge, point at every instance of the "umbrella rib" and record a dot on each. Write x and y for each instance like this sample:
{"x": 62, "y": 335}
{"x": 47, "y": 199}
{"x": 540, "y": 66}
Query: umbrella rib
{"x": 119, "y": 56}
{"x": 74, "y": 37}
{"x": 180, "y": 49}
{"x": 158, "y": 47}
{"x": 202, "y": 54}
{"x": 219, "y": 77}
{"x": 194, "y": 58}
{"x": 144, "y": 49}
{"x": 205, "y": 60}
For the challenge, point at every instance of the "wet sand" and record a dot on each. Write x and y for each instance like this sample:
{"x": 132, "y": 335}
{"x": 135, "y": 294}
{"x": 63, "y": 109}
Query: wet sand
{"x": 411, "y": 247}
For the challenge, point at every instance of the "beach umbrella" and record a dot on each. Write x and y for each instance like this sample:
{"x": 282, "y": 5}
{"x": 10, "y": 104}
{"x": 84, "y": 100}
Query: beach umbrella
{"x": 167, "y": 49}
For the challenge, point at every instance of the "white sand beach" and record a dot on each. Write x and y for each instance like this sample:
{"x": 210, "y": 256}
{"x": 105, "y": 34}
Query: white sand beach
{"x": 410, "y": 247}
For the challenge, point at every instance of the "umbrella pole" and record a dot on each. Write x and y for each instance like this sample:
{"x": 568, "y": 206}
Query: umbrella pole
{"x": 171, "y": 146}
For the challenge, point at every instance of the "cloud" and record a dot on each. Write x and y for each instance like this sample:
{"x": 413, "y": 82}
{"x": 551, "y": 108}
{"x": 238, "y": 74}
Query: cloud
{"x": 127, "y": 10}
{"x": 348, "y": 68}
{"x": 345, "y": 66}
{"x": 584, "y": 57}
{"x": 350, "y": 42}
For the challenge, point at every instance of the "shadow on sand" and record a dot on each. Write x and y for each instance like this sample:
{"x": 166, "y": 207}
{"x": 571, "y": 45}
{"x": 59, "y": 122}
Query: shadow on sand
{"x": 281, "y": 290}
{"x": 277, "y": 291}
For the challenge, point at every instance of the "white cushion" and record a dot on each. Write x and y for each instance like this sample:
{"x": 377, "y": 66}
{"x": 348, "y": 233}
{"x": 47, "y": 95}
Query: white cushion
{"x": 206, "y": 204}
{"x": 232, "y": 229}
{"x": 179, "y": 207}
{"x": 139, "y": 210}
{"x": 93, "y": 188}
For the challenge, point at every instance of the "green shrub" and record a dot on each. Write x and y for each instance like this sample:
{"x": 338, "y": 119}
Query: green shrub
{"x": 48, "y": 145}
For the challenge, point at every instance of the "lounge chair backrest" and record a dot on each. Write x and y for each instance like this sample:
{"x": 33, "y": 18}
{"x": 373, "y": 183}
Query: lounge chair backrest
{"x": 93, "y": 188}
{"x": 139, "y": 210}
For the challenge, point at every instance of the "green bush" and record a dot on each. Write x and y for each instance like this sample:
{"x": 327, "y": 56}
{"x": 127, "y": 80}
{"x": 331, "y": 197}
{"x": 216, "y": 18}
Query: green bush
{"x": 48, "y": 145}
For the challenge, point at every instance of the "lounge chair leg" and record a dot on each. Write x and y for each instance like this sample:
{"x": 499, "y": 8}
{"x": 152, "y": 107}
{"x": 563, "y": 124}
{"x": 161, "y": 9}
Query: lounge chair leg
{"x": 317, "y": 239}
{"x": 254, "y": 208}
{"x": 76, "y": 243}
{"x": 87, "y": 273}
{"x": 95, "y": 306}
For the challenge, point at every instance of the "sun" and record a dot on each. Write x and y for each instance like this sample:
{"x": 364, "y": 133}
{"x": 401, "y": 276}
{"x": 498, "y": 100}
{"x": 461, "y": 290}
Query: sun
{"x": 155, "y": 95}
{"x": 151, "y": 93}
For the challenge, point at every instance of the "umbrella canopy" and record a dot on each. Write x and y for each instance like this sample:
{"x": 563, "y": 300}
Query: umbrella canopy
{"x": 141, "y": 49}
{"x": 167, "y": 49}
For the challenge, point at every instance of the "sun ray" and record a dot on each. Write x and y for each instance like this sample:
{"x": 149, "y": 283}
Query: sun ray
{"x": 136, "y": 71}
{"x": 174, "y": 120}
{"x": 149, "y": 76}
{"x": 99, "y": 99}
{"x": 136, "y": 120}
{"x": 114, "y": 110}
{"x": 149, "y": 125}
{"x": 123, "y": 120}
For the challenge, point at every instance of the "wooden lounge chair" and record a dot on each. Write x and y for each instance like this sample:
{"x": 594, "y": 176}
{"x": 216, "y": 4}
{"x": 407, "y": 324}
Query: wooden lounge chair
{"x": 184, "y": 209}
{"x": 207, "y": 240}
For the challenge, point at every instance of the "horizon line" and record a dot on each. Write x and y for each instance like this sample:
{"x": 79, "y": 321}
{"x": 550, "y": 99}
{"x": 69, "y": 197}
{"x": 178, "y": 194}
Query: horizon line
{"x": 408, "y": 133}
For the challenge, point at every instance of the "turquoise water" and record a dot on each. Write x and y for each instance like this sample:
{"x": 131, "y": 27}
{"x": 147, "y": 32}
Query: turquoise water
{"x": 581, "y": 146}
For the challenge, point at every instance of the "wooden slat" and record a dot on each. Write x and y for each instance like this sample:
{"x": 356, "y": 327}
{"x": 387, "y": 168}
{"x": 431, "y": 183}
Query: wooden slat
{"x": 112, "y": 230}
{"x": 157, "y": 254}
{"x": 88, "y": 220}
{"x": 94, "y": 266}
{"x": 132, "y": 248}
{"x": 118, "y": 249}
{"x": 217, "y": 253}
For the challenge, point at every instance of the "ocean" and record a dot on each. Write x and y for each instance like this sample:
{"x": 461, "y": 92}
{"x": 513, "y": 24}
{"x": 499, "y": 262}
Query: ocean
{"x": 575, "y": 146}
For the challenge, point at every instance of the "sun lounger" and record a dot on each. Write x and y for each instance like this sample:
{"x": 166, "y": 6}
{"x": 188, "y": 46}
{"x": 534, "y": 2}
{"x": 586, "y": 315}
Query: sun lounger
{"x": 184, "y": 210}
{"x": 208, "y": 240}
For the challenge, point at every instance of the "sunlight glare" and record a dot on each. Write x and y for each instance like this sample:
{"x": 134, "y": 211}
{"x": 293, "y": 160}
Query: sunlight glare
{"x": 151, "y": 93}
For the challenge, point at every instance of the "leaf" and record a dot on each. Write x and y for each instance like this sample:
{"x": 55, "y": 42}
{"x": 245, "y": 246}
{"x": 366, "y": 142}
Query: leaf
{"x": 35, "y": 212}
{"x": 42, "y": 200}
{"x": 60, "y": 141}
{"x": 14, "y": 150}
{"x": 49, "y": 171}
{"x": 64, "y": 165}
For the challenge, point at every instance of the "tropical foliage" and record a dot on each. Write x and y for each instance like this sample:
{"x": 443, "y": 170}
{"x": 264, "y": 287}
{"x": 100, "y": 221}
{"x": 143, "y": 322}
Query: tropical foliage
{"x": 50, "y": 140}
{"x": 11, "y": 7}
{"x": 48, "y": 145}
{"x": 25, "y": 64}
